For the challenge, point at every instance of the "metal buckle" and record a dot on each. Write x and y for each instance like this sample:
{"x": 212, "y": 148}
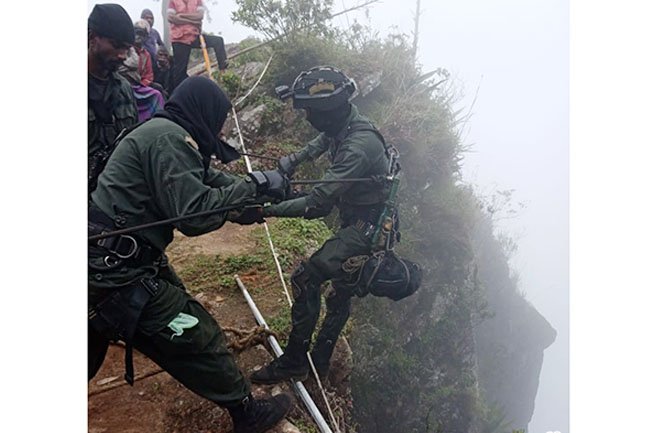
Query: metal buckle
{"x": 131, "y": 253}
{"x": 111, "y": 261}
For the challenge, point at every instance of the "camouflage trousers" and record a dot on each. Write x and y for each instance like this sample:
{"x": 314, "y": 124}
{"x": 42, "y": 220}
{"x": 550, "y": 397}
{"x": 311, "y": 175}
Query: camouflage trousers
{"x": 325, "y": 264}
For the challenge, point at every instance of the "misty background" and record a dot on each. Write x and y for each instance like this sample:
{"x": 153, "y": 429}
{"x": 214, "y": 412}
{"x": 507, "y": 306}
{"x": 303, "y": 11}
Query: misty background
{"x": 509, "y": 60}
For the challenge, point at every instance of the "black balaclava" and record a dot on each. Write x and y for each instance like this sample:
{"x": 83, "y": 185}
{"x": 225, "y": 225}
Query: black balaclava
{"x": 330, "y": 122}
{"x": 200, "y": 106}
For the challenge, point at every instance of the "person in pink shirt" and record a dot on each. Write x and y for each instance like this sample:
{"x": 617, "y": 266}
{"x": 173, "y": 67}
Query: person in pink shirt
{"x": 185, "y": 18}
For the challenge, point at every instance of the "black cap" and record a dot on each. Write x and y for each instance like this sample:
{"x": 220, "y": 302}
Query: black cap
{"x": 111, "y": 21}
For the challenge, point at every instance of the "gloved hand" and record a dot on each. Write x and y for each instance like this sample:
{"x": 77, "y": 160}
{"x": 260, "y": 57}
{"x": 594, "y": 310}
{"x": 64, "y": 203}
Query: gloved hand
{"x": 297, "y": 193}
{"x": 287, "y": 164}
{"x": 272, "y": 183}
{"x": 248, "y": 215}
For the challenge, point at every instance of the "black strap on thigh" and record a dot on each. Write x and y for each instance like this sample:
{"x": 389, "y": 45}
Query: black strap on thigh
{"x": 116, "y": 317}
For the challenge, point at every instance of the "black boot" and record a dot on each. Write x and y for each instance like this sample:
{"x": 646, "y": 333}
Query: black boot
{"x": 282, "y": 369}
{"x": 292, "y": 364}
{"x": 320, "y": 356}
{"x": 257, "y": 416}
{"x": 322, "y": 370}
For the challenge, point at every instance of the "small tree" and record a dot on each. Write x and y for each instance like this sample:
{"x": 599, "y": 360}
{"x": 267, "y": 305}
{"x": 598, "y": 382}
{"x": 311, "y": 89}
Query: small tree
{"x": 280, "y": 18}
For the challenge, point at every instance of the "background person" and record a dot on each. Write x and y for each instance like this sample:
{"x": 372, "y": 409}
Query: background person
{"x": 138, "y": 70}
{"x": 185, "y": 18}
{"x": 154, "y": 42}
{"x": 111, "y": 104}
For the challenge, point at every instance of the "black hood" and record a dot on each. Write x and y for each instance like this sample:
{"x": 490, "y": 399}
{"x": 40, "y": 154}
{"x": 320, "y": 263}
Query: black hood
{"x": 200, "y": 106}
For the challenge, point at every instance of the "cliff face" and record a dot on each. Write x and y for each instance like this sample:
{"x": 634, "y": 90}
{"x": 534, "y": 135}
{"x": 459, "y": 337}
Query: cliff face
{"x": 511, "y": 341}
{"x": 467, "y": 343}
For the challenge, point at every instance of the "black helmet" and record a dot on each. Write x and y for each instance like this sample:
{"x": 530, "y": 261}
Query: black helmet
{"x": 322, "y": 88}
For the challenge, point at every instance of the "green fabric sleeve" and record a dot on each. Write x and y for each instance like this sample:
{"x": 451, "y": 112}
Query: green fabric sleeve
{"x": 313, "y": 149}
{"x": 178, "y": 186}
{"x": 353, "y": 160}
{"x": 218, "y": 179}
{"x": 290, "y": 208}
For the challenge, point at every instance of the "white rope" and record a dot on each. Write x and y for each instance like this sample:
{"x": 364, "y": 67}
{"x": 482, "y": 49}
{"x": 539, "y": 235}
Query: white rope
{"x": 275, "y": 256}
{"x": 240, "y": 100}
{"x": 266, "y": 226}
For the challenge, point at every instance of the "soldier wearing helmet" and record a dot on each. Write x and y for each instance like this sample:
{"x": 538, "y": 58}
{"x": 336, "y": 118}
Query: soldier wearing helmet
{"x": 355, "y": 150}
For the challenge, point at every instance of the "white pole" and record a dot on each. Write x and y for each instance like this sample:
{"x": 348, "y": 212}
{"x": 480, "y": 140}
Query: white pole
{"x": 299, "y": 387}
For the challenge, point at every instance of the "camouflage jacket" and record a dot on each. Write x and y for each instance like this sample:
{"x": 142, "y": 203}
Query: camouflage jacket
{"x": 120, "y": 104}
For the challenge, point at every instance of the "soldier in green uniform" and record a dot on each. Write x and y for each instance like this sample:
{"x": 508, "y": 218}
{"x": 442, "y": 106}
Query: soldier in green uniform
{"x": 355, "y": 150}
{"x": 111, "y": 104}
{"x": 161, "y": 170}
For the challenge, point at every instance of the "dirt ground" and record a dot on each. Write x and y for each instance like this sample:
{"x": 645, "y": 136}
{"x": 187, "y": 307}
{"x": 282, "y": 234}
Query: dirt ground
{"x": 157, "y": 402}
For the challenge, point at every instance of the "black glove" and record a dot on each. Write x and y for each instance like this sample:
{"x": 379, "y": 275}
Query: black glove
{"x": 272, "y": 183}
{"x": 287, "y": 164}
{"x": 250, "y": 215}
{"x": 297, "y": 193}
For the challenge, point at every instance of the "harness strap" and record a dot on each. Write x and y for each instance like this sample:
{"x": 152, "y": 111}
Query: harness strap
{"x": 391, "y": 152}
{"x": 129, "y": 373}
{"x": 119, "y": 248}
{"x": 116, "y": 317}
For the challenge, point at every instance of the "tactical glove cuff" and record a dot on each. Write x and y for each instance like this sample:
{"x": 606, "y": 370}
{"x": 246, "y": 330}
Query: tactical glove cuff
{"x": 272, "y": 183}
{"x": 288, "y": 163}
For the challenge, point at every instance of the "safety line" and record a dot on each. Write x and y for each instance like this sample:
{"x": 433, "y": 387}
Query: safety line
{"x": 266, "y": 226}
{"x": 240, "y": 100}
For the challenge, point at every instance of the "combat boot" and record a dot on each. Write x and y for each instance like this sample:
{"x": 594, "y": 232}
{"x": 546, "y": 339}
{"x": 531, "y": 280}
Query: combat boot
{"x": 322, "y": 370}
{"x": 282, "y": 369}
{"x": 321, "y": 355}
{"x": 257, "y": 416}
{"x": 292, "y": 364}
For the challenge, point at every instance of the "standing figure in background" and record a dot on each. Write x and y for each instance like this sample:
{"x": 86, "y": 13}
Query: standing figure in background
{"x": 185, "y": 19}
{"x": 111, "y": 104}
{"x": 154, "y": 42}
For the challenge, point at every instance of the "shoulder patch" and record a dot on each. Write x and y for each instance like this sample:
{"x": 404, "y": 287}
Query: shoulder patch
{"x": 189, "y": 140}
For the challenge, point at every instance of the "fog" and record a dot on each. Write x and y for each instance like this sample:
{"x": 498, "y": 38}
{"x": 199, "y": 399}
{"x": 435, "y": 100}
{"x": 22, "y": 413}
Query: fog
{"x": 514, "y": 56}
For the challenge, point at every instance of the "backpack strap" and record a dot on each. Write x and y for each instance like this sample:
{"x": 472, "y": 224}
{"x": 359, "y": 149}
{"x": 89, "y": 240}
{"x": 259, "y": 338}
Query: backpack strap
{"x": 391, "y": 152}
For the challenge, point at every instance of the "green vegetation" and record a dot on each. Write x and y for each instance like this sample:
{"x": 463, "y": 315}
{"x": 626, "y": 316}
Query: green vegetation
{"x": 216, "y": 272}
{"x": 415, "y": 362}
{"x": 281, "y": 323}
{"x": 294, "y": 240}
{"x": 303, "y": 425}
